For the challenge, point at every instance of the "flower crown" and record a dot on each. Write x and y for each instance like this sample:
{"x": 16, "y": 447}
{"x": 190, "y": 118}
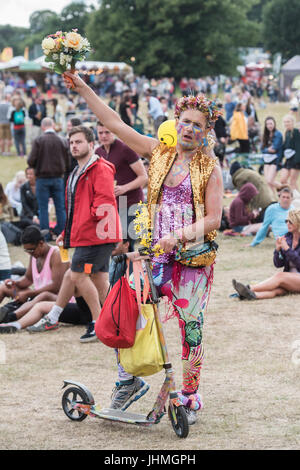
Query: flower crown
{"x": 208, "y": 107}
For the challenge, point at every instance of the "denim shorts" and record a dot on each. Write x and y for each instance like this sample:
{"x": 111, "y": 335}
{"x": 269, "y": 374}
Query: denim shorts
{"x": 92, "y": 259}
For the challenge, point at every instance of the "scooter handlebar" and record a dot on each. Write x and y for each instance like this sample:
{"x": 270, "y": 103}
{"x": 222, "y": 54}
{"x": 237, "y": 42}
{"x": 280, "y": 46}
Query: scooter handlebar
{"x": 132, "y": 256}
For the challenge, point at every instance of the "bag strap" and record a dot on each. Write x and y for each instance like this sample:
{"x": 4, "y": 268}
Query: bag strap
{"x": 127, "y": 269}
{"x": 139, "y": 272}
{"x": 146, "y": 289}
{"x": 118, "y": 293}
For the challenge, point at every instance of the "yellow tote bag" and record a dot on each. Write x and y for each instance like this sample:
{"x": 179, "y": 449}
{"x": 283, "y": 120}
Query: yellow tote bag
{"x": 145, "y": 356}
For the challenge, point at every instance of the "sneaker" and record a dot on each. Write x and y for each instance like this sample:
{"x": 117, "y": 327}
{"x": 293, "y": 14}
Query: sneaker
{"x": 124, "y": 395}
{"x": 191, "y": 416}
{"x": 4, "y": 317}
{"x": 244, "y": 291}
{"x": 8, "y": 308}
{"x": 90, "y": 334}
{"x": 43, "y": 325}
{"x": 8, "y": 329}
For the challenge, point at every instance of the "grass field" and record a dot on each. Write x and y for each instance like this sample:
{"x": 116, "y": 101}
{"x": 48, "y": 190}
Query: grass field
{"x": 250, "y": 379}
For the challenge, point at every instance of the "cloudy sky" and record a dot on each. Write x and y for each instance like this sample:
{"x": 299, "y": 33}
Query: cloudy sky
{"x": 17, "y": 12}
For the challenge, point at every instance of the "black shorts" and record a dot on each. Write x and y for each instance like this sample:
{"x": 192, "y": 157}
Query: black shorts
{"x": 76, "y": 313}
{"x": 290, "y": 164}
{"x": 92, "y": 259}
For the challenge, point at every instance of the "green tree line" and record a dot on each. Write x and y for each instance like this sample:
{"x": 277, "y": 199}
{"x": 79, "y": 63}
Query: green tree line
{"x": 170, "y": 37}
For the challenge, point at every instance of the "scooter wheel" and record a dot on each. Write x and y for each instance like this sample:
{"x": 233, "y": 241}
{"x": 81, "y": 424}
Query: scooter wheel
{"x": 181, "y": 427}
{"x": 71, "y": 395}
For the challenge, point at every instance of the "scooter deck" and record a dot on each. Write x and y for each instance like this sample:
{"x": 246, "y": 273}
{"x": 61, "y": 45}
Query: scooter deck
{"x": 118, "y": 415}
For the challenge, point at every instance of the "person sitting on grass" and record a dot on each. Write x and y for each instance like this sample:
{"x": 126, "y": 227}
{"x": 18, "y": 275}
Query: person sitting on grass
{"x": 240, "y": 215}
{"x": 44, "y": 273}
{"x": 264, "y": 198}
{"x": 275, "y": 217}
{"x": 46, "y": 316}
{"x": 74, "y": 312}
{"x": 286, "y": 255}
{"x": 5, "y": 262}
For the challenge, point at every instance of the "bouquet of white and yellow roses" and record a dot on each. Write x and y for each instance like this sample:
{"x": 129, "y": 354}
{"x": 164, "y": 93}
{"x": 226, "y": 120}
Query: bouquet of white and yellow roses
{"x": 63, "y": 50}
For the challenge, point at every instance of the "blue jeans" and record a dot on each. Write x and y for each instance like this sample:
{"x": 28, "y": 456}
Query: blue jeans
{"x": 5, "y": 274}
{"x": 47, "y": 188}
{"x": 19, "y": 138}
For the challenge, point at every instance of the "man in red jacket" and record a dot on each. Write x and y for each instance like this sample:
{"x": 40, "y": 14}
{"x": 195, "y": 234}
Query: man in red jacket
{"x": 92, "y": 227}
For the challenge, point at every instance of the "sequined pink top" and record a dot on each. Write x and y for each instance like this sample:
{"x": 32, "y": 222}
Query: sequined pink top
{"x": 176, "y": 210}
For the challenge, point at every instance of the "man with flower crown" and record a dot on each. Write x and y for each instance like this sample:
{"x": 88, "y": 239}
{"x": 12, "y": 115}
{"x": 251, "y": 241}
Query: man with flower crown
{"x": 185, "y": 205}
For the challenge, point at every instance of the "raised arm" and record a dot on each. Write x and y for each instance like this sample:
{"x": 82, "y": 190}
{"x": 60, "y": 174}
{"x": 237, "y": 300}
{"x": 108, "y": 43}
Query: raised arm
{"x": 141, "y": 144}
{"x": 262, "y": 233}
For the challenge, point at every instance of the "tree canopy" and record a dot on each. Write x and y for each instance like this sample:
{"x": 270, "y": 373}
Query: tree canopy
{"x": 281, "y": 31}
{"x": 172, "y": 37}
{"x": 12, "y": 36}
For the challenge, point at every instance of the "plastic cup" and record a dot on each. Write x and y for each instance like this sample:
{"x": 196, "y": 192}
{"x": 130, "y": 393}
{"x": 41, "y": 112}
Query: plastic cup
{"x": 64, "y": 253}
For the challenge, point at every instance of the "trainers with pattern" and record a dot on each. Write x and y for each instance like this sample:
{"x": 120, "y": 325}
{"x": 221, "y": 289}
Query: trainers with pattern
{"x": 124, "y": 395}
{"x": 43, "y": 325}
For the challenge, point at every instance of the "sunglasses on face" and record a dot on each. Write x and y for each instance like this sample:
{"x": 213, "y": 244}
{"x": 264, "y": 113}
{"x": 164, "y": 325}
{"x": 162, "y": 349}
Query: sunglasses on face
{"x": 287, "y": 221}
{"x": 30, "y": 250}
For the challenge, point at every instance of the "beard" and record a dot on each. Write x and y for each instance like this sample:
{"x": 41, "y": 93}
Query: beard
{"x": 82, "y": 155}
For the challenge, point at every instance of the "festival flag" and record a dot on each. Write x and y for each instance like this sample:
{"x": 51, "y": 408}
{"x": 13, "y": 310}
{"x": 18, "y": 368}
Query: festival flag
{"x": 26, "y": 53}
{"x": 7, "y": 54}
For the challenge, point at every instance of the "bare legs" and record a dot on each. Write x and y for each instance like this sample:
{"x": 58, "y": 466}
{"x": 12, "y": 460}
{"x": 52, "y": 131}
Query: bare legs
{"x": 290, "y": 177}
{"x": 101, "y": 281}
{"x": 279, "y": 284}
{"x": 27, "y": 306}
{"x": 88, "y": 290}
{"x": 66, "y": 291}
{"x": 5, "y": 146}
{"x": 270, "y": 176}
{"x": 251, "y": 229}
{"x": 35, "y": 314}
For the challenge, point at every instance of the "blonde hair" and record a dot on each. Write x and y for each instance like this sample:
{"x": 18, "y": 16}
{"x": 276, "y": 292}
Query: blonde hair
{"x": 20, "y": 178}
{"x": 289, "y": 117}
{"x": 294, "y": 217}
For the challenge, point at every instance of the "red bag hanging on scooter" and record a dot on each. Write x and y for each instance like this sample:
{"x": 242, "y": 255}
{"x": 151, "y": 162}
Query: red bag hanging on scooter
{"x": 116, "y": 324}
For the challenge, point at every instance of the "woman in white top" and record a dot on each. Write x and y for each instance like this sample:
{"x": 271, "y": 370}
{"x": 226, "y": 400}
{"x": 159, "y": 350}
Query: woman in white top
{"x": 13, "y": 193}
{"x": 5, "y": 263}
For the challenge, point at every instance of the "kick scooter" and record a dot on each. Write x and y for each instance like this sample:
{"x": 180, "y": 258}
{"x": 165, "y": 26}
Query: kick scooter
{"x": 78, "y": 402}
